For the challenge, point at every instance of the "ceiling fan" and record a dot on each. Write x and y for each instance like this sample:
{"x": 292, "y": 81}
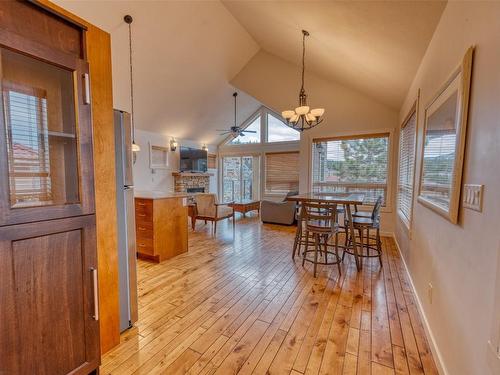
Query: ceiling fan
{"x": 235, "y": 130}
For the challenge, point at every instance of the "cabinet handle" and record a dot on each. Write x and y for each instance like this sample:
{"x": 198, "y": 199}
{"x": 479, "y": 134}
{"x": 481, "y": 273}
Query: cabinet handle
{"x": 142, "y": 214}
{"x": 141, "y": 245}
{"x": 86, "y": 81}
{"x": 142, "y": 228}
{"x": 141, "y": 204}
{"x": 96, "y": 295}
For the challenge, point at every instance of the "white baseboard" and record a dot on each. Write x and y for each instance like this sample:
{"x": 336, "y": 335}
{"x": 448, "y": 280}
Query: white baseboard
{"x": 428, "y": 332}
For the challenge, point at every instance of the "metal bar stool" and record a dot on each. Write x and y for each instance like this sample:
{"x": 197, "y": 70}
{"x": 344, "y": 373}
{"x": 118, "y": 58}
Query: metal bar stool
{"x": 365, "y": 221}
{"x": 320, "y": 223}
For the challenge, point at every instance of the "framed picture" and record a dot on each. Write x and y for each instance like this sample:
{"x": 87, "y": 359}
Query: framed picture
{"x": 445, "y": 130}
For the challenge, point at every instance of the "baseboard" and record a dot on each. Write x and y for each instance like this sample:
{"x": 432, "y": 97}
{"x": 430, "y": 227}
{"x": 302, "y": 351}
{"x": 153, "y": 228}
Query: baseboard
{"x": 428, "y": 332}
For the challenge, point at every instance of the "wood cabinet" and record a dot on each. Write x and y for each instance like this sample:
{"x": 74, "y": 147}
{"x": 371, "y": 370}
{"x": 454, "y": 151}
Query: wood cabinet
{"x": 49, "y": 311}
{"x": 161, "y": 227}
{"x": 48, "y": 265}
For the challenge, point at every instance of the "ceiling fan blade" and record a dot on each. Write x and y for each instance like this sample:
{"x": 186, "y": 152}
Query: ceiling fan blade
{"x": 249, "y": 131}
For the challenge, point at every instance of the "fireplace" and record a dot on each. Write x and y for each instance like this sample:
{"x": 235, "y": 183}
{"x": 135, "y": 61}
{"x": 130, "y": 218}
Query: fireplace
{"x": 195, "y": 190}
{"x": 187, "y": 182}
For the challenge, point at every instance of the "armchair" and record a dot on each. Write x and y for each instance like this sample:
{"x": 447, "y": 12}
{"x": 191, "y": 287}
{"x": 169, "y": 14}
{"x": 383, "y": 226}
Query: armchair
{"x": 279, "y": 212}
{"x": 207, "y": 208}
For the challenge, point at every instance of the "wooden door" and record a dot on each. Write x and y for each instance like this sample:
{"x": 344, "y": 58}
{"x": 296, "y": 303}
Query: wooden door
{"x": 48, "y": 297}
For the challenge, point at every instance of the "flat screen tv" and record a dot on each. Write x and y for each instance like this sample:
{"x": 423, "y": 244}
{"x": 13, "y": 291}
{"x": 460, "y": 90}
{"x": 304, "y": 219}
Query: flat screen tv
{"x": 193, "y": 160}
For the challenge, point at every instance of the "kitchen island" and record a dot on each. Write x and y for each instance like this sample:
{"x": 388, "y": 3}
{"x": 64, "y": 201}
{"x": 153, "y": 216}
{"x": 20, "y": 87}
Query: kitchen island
{"x": 161, "y": 225}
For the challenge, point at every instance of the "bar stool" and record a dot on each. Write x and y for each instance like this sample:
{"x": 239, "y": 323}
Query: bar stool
{"x": 365, "y": 221}
{"x": 320, "y": 225}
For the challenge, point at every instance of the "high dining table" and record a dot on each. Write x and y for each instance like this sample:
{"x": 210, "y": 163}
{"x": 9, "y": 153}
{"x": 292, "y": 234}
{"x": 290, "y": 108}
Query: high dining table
{"x": 344, "y": 199}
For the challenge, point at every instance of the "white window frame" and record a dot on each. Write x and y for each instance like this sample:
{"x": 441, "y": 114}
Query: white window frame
{"x": 388, "y": 208}
{"x": 408, "y": 223}
{"x": 256, "y": 149}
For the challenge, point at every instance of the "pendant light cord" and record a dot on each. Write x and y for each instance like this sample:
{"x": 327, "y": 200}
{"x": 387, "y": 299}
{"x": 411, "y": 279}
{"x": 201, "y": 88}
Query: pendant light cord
{"x": 304, "y": 33}
{"x": 129, "y": 21}
{"x": 235, "y": 94}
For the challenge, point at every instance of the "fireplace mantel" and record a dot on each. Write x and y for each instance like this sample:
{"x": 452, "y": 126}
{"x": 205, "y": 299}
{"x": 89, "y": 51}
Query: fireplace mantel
{"x": 191, "y": 174}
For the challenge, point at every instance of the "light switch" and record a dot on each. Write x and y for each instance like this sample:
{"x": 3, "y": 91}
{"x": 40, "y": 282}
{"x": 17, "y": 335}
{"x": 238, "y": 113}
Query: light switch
{"x": 473, "y": 197}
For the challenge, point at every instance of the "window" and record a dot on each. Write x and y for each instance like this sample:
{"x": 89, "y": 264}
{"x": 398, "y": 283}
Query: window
{"x": 238, "y": 177}
{"x": 282, "y": 172}
{"x": 352, "y": 164}
{"x": 28, "y": 148}
{"x": 278, "y": 131}
{"x": 251, "y": 136}
{"x": 406, "y": 167}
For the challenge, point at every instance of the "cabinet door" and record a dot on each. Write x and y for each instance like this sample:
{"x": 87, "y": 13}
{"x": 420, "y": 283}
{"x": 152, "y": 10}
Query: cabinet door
{"x": 46, "y": 169}
{"x": 48, "y": 313}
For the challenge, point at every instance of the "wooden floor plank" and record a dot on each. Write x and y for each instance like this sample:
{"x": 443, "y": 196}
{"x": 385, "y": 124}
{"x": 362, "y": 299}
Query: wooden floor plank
{"x": 242, "y": 305}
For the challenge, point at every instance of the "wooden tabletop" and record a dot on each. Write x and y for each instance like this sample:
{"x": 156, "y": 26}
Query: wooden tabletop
{"x": 339, "y": 198}
{"x": 244, "y": 202}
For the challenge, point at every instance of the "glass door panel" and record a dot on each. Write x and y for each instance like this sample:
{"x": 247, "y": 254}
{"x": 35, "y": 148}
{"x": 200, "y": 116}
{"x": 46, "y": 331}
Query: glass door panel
{"x": 231, "y": 178}
{"x": 238, "y": 178}
{"x": 247, "y": 177}
{"x": 40, "y": 124}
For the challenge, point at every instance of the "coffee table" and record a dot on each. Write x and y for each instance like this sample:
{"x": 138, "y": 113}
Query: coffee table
{"x": 245, "y": 205}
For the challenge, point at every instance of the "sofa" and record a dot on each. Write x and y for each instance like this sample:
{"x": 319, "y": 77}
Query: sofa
{"x": 279, "y": 212}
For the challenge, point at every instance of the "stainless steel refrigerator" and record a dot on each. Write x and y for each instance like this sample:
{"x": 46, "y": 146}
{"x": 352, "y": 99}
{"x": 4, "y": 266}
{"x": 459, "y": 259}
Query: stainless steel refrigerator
{"x": 127, "y": 259}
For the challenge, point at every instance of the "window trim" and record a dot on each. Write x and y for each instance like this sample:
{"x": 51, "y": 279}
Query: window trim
{"x": 389, "y": 132}
{"x": 408, "y": 223}
{"x": 262, "y": 111}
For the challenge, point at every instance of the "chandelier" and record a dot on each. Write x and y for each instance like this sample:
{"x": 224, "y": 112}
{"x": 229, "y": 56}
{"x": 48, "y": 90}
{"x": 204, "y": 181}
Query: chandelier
{"x": 303, "y": 118}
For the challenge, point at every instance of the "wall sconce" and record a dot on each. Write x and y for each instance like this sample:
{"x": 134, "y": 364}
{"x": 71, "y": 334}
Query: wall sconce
{"x": 173, "y": 144}
{"x": 204, "y": 147}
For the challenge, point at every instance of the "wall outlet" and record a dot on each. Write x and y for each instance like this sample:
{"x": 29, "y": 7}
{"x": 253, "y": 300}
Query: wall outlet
{"x": 429, "y": 292}
{"x": 473, "y": 197}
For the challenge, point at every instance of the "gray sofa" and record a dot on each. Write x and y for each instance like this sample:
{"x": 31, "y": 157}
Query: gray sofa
{"x": 279, "y": 212}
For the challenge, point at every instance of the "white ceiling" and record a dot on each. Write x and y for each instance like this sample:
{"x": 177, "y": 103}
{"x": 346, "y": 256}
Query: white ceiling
{"x": 372, "y": 46}
{"x": 187, "y": 52}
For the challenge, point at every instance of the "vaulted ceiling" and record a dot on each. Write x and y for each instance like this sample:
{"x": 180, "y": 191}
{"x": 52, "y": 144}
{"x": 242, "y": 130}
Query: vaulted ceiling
{"x": 372, "y": 46}
{"x": 187, "y": 52}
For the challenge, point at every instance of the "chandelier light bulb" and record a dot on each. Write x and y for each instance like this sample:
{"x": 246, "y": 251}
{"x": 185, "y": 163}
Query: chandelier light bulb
{"x": 317, "y": 112}
{"x": 302, "y": 110}
{"x": 310, "y": 117}
{"x": 287, "y": 114}
{"x": 295, "y": 118}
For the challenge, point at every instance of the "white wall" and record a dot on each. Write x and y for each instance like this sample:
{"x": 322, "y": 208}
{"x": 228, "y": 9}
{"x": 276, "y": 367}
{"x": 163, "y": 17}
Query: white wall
{"x": 276, "y": 83}
{"x": 461, "y": 260}
{"x": 146, "y": 179}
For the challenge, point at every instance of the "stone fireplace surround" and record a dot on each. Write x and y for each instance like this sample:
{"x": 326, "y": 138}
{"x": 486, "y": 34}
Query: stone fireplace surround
{"x": 187, "y": 180}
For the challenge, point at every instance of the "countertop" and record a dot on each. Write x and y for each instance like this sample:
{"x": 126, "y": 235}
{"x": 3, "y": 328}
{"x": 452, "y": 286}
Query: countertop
{"x": 159, "y": 195}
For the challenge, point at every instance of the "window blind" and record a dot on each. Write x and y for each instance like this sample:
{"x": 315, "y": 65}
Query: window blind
{"x": 28, "y": 148}
{"x": 282, "y": 172}
{"x": 352, "y": 164}
{"x": 406, "y": 167}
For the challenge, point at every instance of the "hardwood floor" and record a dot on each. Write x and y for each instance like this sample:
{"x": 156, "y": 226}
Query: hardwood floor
{"x": 245, "y": 307}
